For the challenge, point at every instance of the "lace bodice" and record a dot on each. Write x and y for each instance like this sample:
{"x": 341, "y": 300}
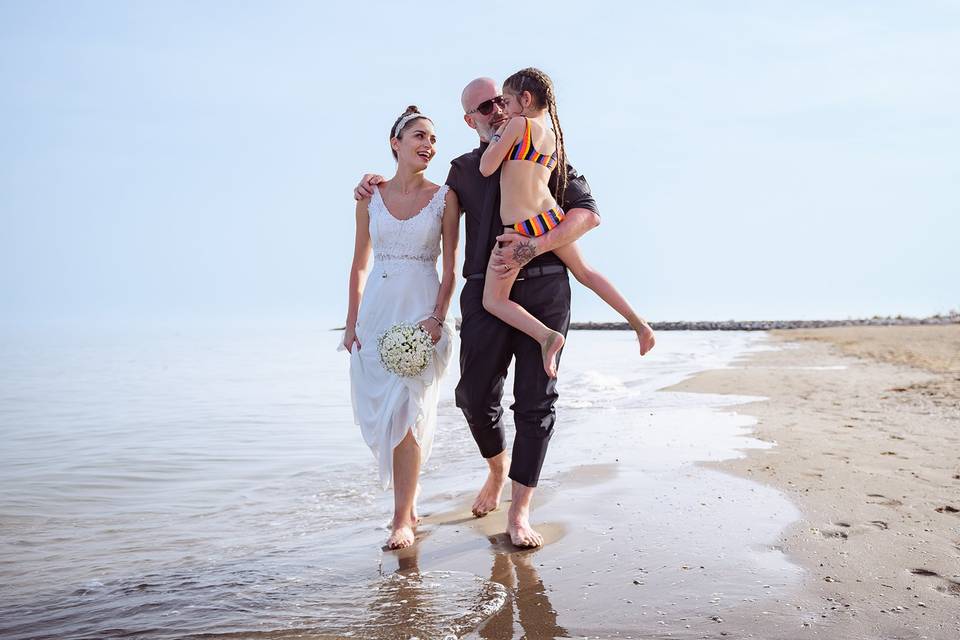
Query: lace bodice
{"x": 415, "y": 239}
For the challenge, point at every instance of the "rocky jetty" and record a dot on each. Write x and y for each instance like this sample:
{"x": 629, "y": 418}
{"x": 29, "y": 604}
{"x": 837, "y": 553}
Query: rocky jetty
{"x": 767, "y": 325}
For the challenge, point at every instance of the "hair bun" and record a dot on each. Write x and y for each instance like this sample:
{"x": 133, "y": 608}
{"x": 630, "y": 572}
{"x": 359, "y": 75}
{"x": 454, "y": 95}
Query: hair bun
{"x": 412, "y": 109}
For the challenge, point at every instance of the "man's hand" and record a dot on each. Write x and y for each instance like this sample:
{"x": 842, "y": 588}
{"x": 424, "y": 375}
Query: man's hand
{"x": 512, "y": 252}
{"x": 367, "y": 183}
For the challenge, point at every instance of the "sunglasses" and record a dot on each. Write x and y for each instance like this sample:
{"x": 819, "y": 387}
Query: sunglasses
{"x": 485, "y": 108}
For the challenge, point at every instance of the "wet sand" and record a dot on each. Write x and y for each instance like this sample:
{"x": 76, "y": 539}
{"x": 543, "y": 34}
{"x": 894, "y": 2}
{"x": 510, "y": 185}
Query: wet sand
{"x": 642, "y": 540}
{"x": 866, "y": 423}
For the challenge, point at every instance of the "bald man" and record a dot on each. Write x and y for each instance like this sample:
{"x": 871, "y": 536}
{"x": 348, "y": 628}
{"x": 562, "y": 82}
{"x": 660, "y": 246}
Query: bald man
{"x": 487, "y": 344}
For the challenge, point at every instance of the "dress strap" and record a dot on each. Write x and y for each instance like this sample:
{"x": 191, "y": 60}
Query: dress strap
{"x": 439, "y": 196}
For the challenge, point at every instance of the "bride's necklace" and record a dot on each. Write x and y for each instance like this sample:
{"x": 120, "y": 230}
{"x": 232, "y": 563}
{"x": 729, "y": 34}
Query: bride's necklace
{"x": 409, "y": 199}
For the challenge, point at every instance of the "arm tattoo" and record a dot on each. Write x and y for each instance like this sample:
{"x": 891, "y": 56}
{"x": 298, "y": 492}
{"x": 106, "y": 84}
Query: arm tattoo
{"x": 524, "y": 252}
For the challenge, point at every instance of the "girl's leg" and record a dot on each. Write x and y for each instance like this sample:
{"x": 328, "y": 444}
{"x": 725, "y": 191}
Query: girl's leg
{"x": 406, "y": 473}
{"x": 598, "y": 283}
{"x": 496, "y": 300}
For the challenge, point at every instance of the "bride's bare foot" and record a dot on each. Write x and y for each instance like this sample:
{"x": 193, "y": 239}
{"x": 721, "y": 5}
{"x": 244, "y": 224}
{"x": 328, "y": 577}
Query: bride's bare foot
{"x": 402, "y": 535}
{"x": 550, "y": 347}
{"x": 489, "y": 497}
{"x": 521, "y": 533}
{"x": 645, "y": 336}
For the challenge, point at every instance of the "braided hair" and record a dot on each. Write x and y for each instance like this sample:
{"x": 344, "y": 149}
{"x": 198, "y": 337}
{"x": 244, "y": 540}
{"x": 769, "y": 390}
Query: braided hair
{"x": 540, "y": 87}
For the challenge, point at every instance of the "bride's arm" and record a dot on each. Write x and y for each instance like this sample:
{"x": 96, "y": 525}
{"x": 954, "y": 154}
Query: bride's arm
{"x": 358, "y": 273}
{"x": 450, "y": 234}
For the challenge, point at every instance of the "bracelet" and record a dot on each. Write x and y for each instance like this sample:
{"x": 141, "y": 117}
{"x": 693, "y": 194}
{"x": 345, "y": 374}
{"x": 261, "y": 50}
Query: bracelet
{"x": 439, "y": 321}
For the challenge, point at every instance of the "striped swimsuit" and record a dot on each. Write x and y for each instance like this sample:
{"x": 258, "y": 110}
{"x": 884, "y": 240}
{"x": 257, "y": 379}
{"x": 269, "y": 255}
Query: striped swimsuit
{"x": 546, "y": 220}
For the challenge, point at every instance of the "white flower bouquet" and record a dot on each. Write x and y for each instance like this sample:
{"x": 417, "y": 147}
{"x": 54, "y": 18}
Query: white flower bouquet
{"x": 405, "y": 349}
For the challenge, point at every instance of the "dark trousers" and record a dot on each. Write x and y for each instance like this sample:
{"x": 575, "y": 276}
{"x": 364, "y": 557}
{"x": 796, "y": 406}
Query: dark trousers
{"x": 487, "y": 344}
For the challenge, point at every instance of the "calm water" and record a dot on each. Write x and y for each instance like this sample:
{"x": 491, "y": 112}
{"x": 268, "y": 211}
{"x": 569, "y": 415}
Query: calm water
{"x": 169, "y": 484}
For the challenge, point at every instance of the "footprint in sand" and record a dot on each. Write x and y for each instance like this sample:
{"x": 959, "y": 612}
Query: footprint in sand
{"x": 885, "y": 501}
{"x": 833, "y": 533}
{"x": 844, "y": 530}
{"x": 946, "y": 586}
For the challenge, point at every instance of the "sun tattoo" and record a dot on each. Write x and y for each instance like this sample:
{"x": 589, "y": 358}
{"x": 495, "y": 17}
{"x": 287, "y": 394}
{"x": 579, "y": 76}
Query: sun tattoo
{"x": 524, "y": 252}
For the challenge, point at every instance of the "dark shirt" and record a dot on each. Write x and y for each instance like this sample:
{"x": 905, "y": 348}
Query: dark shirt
{"x": 480, "y": 201}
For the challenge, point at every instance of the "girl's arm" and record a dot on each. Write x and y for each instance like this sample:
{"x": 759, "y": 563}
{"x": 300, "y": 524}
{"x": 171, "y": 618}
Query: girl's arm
{"x": 499, "y": 147}
{"x": 358, "y": 273}
{"x": 449, "y": 233}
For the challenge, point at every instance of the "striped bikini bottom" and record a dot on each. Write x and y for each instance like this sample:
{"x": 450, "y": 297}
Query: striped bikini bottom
{"x": 538, "y": 224}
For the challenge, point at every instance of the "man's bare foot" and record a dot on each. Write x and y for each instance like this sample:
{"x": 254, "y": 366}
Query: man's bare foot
{"x": 550, "y": 347}
{"x": 402, "y": 535}
{"x": 489, "y": 497}
{"x": 521, "y": 533}
{"x": 646, "y": 337}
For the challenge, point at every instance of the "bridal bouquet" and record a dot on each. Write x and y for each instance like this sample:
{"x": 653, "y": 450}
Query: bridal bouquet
{"x": 405, "y": 349}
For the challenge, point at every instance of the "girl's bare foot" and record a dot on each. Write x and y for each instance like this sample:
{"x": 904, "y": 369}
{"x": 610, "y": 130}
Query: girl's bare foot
{"x": 550, "y": 347}
{"x": 402, "y": 535}
{"x": 646, "y": 337}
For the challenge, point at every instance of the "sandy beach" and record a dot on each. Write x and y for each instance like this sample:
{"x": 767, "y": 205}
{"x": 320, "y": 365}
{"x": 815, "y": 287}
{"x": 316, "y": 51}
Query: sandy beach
{"x": 866, "y": 423}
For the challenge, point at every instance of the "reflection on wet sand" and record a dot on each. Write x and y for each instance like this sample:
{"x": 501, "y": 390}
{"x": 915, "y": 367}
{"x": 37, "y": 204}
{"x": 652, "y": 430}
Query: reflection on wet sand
{"x": 407, "y": 602}
{"x": 528, "y": 610}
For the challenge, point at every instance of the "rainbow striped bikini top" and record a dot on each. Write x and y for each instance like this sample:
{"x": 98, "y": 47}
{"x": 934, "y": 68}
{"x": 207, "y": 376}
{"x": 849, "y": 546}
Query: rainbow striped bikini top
{"x": 524, "y": 150}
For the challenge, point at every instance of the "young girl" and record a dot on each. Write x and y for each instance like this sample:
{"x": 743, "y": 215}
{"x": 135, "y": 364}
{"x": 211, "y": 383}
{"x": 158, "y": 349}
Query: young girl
{"x": 529, "y": 152}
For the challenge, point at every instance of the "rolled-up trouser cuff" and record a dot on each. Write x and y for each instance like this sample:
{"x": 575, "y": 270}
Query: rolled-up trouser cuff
{"x": 491, "y": 440}
{"x": 528, "y": 456}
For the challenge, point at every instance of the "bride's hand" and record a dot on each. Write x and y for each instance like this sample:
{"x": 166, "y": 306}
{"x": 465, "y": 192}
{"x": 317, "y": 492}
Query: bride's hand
{"x": 349, "y": 337}
{"x": 431, "y": 326}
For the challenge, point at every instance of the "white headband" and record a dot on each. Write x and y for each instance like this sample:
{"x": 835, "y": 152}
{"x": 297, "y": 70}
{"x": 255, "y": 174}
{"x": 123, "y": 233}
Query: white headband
{"x": 405, "y": 119}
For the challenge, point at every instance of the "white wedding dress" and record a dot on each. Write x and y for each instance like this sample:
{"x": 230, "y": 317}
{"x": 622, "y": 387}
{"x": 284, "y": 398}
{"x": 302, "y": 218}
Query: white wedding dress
{"x": 401, "y": 287}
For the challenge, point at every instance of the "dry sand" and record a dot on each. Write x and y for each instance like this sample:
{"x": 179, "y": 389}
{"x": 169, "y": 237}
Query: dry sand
{"x": 866, "y": 423}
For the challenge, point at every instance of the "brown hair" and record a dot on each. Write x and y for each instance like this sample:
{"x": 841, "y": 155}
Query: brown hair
{"x": 541, "y": 88}
{"x": 411, "y": 109}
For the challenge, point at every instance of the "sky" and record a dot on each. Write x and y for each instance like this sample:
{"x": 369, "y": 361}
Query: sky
{"x": 751, "y": 160}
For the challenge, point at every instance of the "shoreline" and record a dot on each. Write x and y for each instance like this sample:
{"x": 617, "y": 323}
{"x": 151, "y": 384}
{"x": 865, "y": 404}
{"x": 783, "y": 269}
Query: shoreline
{"x": 772, "y": 325}
{"x": 952, "y": 318}
{"x": 865, "y": 423}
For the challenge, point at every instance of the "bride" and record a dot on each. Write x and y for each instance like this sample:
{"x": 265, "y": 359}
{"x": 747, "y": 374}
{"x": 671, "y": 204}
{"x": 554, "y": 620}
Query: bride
{"x": 403, "y": 224}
